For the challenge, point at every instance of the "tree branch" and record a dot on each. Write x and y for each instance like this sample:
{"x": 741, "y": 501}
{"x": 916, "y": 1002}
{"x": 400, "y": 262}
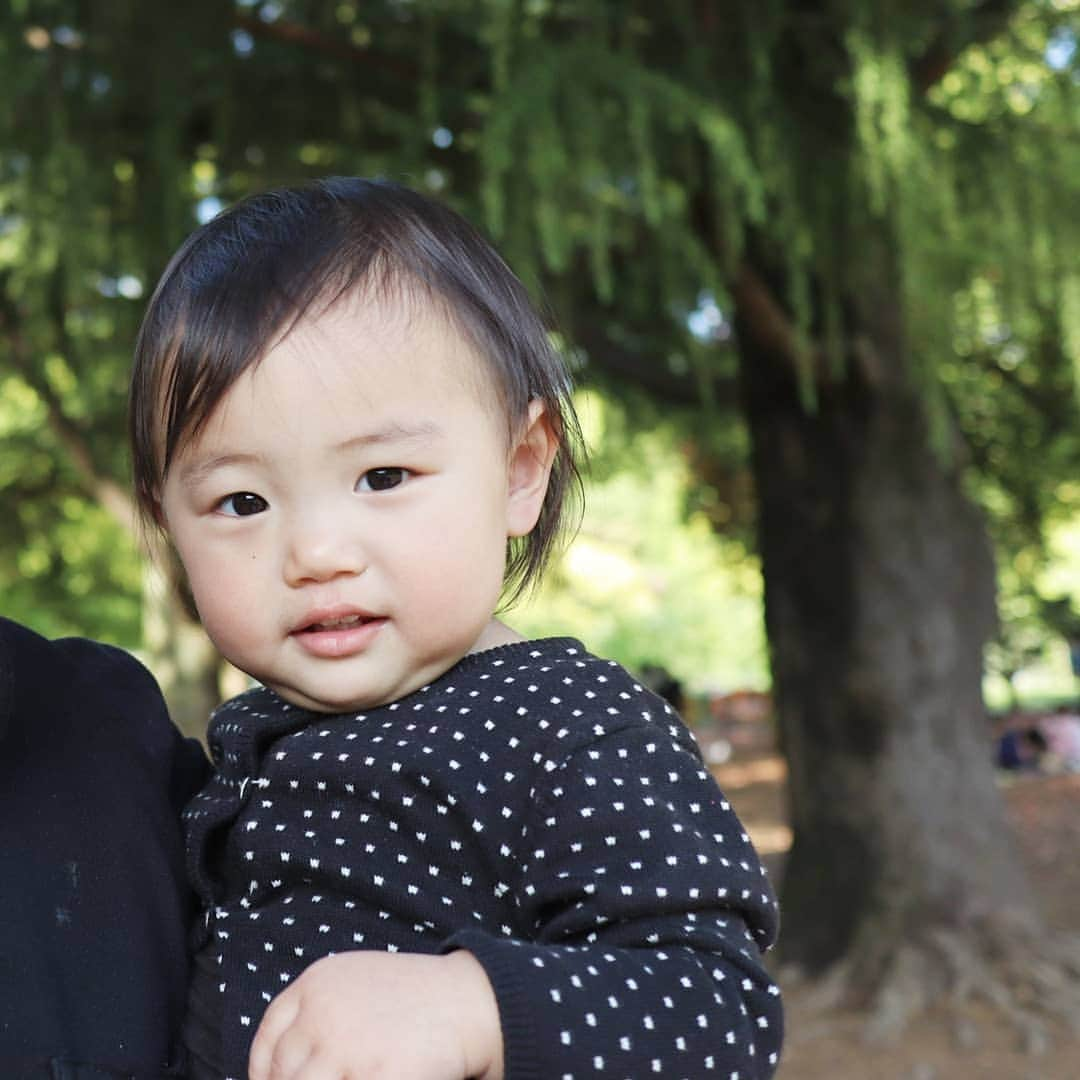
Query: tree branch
{"x": 964, "y": 29}
{"x": 637, "y": 367}
{"x": 763, "y": 317}
{"x": 644, "y": 368}
{"x": 293, "y": 33}
{"x": 111, "y": 495}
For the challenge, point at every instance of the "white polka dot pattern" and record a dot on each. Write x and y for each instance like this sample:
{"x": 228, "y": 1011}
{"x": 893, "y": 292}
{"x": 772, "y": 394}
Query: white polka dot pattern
{"x": 534, "y": 805}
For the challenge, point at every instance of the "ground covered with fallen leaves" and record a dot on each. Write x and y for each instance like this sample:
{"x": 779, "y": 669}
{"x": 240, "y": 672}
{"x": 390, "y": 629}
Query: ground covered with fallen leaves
{"x": 1045, "y": 813}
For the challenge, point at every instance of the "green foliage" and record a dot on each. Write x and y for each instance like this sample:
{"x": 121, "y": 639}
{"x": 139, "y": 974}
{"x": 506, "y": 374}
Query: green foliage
{"x": 585, "y": 178}
{"x": 67, "y": 566}
{"x": 591, "y": 144}
{"x": 626, "y": 156}
{"x": 971, "y": 181}
{"x": 646, "y": 582}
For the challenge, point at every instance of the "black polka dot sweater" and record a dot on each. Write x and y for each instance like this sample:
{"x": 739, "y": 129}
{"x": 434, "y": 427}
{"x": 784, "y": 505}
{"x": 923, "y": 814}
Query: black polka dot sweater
{"x": 534, "y": 805}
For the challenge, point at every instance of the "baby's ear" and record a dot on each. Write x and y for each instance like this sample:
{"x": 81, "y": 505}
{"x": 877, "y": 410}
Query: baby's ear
{"x": 530, "y": 467}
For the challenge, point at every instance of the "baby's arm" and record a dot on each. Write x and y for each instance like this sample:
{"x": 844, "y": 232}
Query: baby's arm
{"x": 374, "y": 1014}
{"x": 644, "y": 912}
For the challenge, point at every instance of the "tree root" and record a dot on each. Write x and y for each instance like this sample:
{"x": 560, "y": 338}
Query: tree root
{"x": 1029, "y": 979}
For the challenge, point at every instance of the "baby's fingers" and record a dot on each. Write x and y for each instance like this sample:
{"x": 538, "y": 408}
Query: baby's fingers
{"x": 279, "y": 1050}
{"x": 314, "y": 1067}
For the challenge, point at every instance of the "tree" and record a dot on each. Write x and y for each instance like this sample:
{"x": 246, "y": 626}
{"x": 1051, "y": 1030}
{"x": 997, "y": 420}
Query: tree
{"x": 857, "y": 187}
{"x": 809, "y": 179}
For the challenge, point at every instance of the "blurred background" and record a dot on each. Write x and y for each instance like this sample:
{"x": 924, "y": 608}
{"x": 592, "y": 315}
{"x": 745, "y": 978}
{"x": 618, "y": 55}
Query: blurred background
{"x": 816, "y": 268}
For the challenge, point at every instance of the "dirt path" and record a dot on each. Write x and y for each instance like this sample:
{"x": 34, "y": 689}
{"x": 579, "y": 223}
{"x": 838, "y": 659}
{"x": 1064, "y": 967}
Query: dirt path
{"x": 1045, "y": 813}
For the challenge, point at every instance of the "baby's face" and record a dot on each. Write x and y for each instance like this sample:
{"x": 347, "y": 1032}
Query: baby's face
{"x": 343, "y": 515}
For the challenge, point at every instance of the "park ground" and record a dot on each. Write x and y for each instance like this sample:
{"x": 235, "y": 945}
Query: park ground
{"x": 1044, "y": 811}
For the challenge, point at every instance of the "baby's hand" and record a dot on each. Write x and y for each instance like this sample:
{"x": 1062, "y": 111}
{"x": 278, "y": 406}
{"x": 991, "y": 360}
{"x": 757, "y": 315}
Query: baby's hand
{"x": 373, "y": 1014}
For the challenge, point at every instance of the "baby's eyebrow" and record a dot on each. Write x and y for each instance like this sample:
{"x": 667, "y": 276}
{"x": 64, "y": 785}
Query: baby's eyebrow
{"x": 193, "y": 473}
{"x": 394, "y": 433}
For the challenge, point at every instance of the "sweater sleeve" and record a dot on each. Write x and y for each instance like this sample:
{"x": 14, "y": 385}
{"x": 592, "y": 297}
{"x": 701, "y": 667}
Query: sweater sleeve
{"x": 644, "y": 912}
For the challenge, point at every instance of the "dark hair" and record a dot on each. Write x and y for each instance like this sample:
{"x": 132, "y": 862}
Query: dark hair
{"x": 243, "y": 280}
{"x": 1035, "y": 738}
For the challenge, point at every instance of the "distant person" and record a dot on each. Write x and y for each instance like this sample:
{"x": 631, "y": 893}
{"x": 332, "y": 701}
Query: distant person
{"x": 432, "y": 848}
{"x": 1021, "y": 749}
{"x": 660, "y": 681}
{"x": 94, "y": 907}
{"x": 1061, "y": 733}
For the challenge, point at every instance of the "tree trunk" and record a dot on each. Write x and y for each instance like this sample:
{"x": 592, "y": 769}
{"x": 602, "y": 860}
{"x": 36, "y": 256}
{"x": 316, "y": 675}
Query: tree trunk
{"x": 879, "y": 597}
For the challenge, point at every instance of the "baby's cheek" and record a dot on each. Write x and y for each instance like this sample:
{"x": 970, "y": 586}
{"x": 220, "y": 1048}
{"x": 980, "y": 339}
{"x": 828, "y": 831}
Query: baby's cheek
{"x": 231, "y": 615}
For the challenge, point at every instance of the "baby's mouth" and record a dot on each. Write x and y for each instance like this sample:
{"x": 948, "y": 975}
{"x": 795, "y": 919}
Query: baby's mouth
{"x": 336, "y": 624}
{"x": 330, "y": 624}
{"x": 331, "y": 636}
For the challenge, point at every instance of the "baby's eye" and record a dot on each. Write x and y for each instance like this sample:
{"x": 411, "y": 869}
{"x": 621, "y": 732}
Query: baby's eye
{"x": 382, "y": 479}
{"x": 241, "y": 504}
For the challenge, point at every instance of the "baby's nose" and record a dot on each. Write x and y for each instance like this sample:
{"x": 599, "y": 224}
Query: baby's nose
{"x": 321, "y": 552}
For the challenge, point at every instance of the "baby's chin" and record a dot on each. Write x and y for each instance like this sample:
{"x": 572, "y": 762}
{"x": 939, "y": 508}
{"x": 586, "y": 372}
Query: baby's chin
{"x": 350, "y": 700}
{"x": 328, "y": 705}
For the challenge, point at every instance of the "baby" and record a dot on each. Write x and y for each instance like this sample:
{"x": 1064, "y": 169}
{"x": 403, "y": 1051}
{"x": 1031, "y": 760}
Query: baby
{"x": 431, "y": 848}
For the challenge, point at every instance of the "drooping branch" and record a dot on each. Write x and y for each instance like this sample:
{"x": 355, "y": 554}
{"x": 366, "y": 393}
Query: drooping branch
{"x": 761, "y": 312}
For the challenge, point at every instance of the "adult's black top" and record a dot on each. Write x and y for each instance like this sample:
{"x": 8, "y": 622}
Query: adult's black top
{"x": 94, "y": 908}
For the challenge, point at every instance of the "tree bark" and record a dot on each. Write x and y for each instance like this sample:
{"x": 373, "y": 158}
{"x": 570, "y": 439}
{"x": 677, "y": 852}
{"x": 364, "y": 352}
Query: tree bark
{"x": 879, "y": 597}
